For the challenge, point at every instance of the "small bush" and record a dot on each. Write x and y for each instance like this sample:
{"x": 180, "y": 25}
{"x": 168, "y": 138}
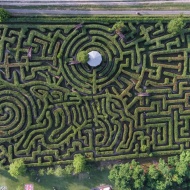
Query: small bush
{"x": 41, "y": 172}
{"x": 69, "y": 169}
{"x": 50, "y": 171}
{"x": 59, "y": 171}
{"x": 59, "y": 55}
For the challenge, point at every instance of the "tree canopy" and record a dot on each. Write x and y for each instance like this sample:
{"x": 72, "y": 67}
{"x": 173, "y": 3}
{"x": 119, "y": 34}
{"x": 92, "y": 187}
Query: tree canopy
{"x": 82, "y": 57}
{"x": 171, "y": 174}
{"x": 17, "y": 168}
{"x": 119, "y": 26}
{"x": 127, "y": 176}
{"x": 176, "y": 25}
{"x": 79, "y": 163}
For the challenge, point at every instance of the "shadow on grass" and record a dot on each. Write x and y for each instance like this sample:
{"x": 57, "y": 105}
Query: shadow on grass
{"x": 92, "y": 179}
{"x": 5, "y": 174}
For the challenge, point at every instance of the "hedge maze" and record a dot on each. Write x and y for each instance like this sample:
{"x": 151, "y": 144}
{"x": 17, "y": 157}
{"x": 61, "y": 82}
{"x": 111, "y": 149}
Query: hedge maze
{"x": 135, "y": 104}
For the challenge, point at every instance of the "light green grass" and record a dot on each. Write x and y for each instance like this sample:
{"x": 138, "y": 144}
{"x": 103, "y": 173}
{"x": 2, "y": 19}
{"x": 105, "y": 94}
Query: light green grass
{"x": 61, "y": 183}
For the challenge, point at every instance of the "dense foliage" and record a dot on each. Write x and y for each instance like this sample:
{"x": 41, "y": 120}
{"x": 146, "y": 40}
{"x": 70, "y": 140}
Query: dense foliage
{"x": 79, "y": 163}
{"x": 176, "y": 25}
{"x": 82, "y": 57}
{"x": 3, "y": 15}
{"x": 173, "y": 174}
{"x": 97, "y": 112}
{"x": 17, "y": 168}
{"x": 119, "y": 26}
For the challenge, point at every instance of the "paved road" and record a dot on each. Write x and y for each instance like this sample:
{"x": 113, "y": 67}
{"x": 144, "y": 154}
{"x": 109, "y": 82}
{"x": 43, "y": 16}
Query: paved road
{"x": 89, "y": 12}
{"x": 77, "y": 3}
{"x": 85, "y": 2}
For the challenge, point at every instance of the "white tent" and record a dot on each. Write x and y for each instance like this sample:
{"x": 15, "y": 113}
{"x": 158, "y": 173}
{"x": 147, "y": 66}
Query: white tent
{"x": 95, "y": 58}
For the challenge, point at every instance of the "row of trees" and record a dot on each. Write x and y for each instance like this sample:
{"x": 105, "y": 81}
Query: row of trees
{"x": 18, "y": 168}
{"x": 173, "y": 174}
{"x": 175, "y": 26}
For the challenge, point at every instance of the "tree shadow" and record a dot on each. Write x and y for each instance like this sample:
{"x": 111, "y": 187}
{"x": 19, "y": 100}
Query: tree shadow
{"x": 7, "y": 175}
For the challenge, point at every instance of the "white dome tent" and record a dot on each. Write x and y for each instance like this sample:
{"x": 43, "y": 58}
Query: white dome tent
{"x": 95, "y": 58}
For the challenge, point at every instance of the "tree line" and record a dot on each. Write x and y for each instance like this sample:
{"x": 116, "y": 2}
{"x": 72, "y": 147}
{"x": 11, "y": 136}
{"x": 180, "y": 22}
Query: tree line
{"x": 173, "y": 174}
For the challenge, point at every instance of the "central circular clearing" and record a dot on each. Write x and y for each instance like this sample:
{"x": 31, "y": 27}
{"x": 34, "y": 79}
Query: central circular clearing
{"x": 95, "y": 58}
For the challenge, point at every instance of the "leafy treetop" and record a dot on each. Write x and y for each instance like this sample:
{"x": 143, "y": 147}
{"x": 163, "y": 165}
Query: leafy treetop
{"x": 79, "y": 163}
{"x": 119, "y": 26}
{"x": 82, "y": 57}
{"x": 175, "y": 26}
{"x": 17, "y": 168}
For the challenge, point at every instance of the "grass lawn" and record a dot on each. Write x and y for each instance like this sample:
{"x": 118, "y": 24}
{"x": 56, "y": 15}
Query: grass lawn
{"x": 61, "y": 183}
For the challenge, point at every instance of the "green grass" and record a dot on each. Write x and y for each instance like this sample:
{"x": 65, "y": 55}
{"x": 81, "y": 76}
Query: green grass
{"x": 97, "y": 177}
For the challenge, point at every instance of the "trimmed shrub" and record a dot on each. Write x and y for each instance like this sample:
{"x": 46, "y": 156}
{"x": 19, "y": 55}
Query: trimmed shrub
{"x": 82, "y": 57}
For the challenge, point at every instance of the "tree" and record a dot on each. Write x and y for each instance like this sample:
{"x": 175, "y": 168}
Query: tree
{"x": 17, "y": 168}
{"x": 153, "y": 178}
{"x": 82, "y": 57}
{"x": 176, "y": 25}
{"x": 79, "y": 163}
{"x": 128, "y": 176}
{"x": 3, "y": 15}
{"x": 119, "y": 26}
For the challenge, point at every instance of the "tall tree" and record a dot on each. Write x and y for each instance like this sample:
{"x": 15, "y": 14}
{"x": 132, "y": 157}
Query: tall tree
{"x": 176, "y": 25}
{"x": 17, "y": 168}
{"x": 79, "y": 163}
{"x": 129, "y": 176}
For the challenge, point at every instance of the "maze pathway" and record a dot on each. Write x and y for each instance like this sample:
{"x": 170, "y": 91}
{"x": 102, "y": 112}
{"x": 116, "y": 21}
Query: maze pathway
{"x": 135, "y": 104}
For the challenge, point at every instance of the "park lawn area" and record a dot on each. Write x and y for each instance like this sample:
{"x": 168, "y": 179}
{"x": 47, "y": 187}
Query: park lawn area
{"x": 97, "y": 177}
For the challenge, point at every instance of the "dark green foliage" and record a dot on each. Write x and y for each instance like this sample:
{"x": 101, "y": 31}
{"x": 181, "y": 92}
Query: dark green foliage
{"x": 51, "y": 111}
{"x": 4, "y": 15}
{"x": 160, "y": 176}
{"x": 50, "y": 171}
{"x": 42, "y": 172}
{"x": 82, "y": 57}
{"x": 176, "y": 25}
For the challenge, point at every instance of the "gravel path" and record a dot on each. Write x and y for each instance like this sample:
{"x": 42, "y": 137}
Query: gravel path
{"x": 88, "y": 12}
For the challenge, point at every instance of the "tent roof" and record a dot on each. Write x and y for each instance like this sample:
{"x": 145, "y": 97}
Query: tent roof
{"x": 95, "y": 58}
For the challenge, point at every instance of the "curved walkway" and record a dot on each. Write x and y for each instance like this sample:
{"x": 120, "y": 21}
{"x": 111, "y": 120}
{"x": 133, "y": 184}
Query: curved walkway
{"x": 89, "y": 12}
